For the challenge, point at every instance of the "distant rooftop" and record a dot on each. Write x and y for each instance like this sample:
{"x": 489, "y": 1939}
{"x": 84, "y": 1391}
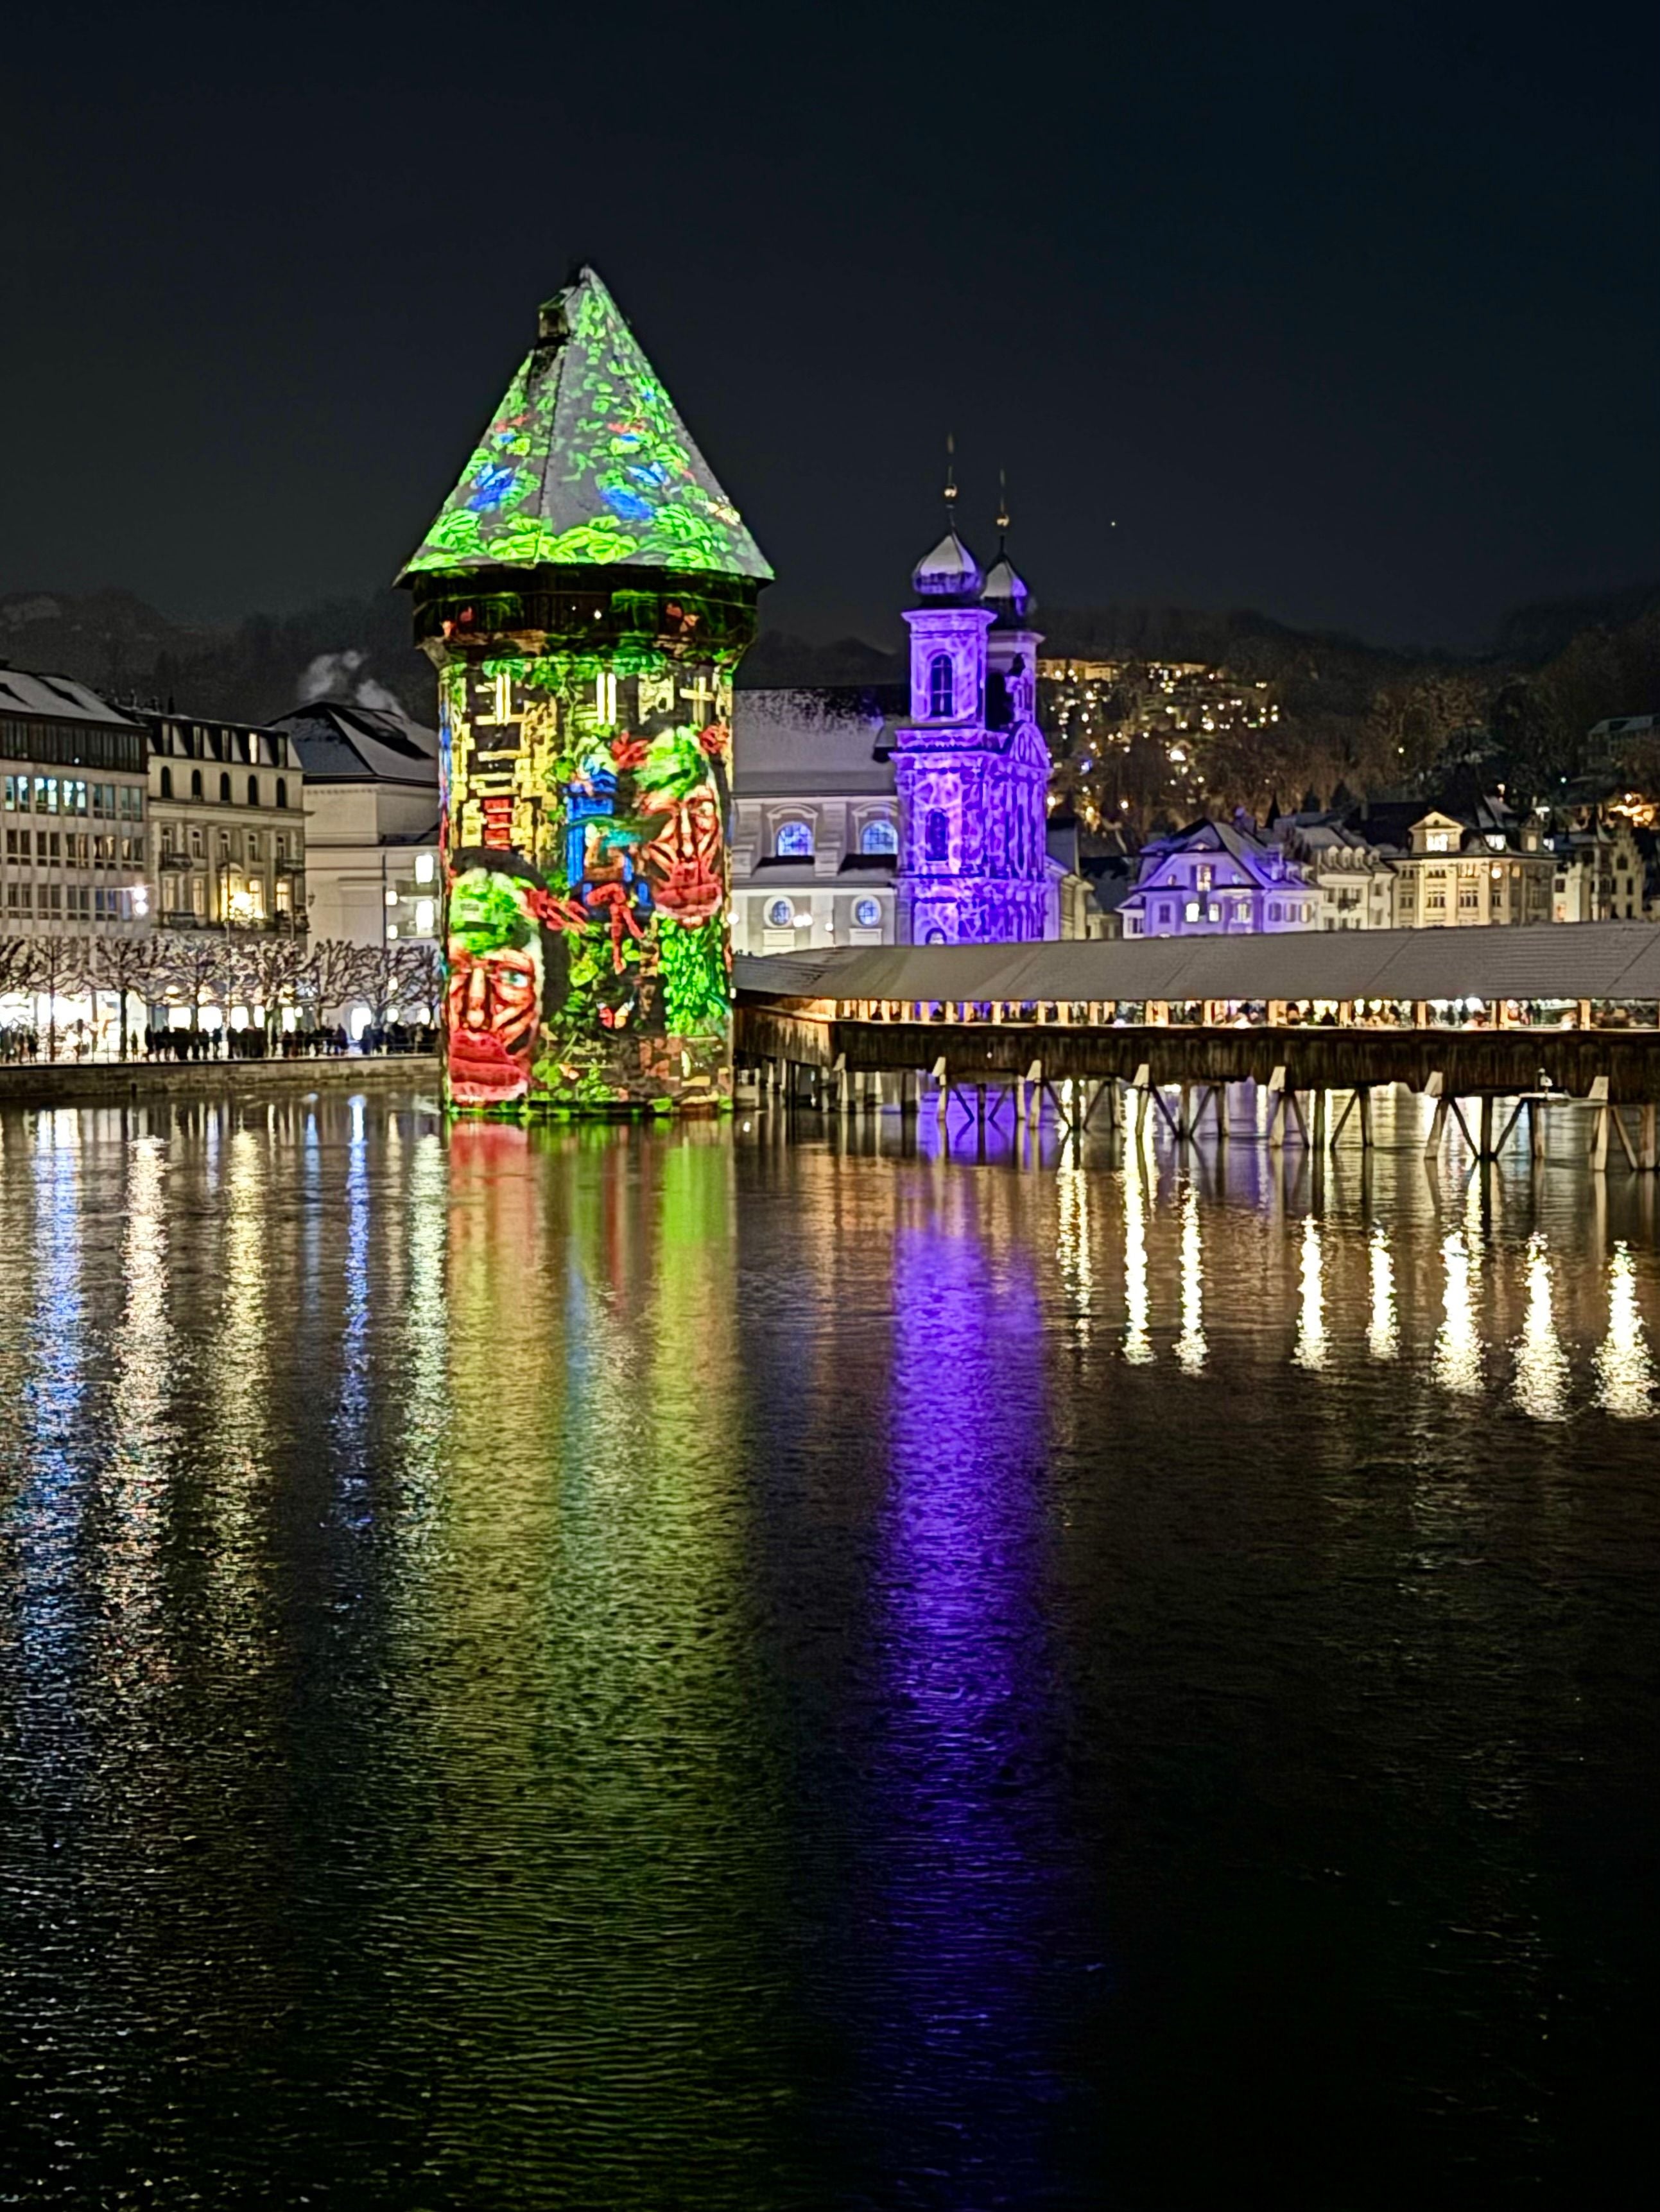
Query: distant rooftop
{"x": 56, "y": 699}
{"x": 340, "y": 742}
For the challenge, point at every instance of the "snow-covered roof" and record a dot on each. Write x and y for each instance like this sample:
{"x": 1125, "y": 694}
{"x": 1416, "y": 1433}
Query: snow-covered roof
{"x": 340, "y": 742}
{"x": 56, "y": 699}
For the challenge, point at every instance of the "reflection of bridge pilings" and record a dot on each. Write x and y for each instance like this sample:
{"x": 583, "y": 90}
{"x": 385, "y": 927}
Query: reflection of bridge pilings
{"x": 1598, "y": 1090}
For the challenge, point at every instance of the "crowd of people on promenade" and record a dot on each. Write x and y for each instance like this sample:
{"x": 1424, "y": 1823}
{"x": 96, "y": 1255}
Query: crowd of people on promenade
{"x": 323, "y": 1041}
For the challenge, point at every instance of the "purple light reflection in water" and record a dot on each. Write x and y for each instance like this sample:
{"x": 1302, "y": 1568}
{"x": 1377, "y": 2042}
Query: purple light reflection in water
{"x": 975, "y": 1879}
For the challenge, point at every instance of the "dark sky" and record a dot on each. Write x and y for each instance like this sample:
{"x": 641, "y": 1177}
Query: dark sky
{"x": 1347, "y": 314}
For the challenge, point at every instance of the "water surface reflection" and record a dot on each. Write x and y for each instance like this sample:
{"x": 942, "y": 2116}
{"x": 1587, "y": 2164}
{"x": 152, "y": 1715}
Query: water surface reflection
{"x": 633, "y": 1668}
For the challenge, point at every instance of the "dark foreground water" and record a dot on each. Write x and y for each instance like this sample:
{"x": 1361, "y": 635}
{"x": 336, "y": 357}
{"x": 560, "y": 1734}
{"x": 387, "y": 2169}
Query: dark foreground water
{"x": 616, "y": 1670}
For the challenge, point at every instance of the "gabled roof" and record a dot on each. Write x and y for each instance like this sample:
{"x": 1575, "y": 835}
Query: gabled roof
{"x": 586, "y": 461}
{"x": 56, "y": 699}
{"x": 339, "y": 742}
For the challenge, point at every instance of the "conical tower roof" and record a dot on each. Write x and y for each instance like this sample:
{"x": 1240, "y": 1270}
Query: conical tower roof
{"x": 587, "y": 461}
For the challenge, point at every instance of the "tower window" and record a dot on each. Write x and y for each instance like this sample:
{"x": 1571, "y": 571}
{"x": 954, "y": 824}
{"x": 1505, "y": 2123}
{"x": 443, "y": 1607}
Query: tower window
{"x": 878, "y": 837}
{"x": 942, "y": 694}
{"x": 793, "y": 841}
{"x": 936, "y": 834}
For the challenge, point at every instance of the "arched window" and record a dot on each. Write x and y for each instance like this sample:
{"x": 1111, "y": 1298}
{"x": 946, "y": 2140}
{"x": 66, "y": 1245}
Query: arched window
{"x": 936, "y": 835}
{"x": 254, "y": 791}
{"x": 224, "y": 787}
{"x": 283, "y": 794}
{"x": 793, "y": 841}
{"x": 196, "y": 783}
{"x": 941, "y": 693}
{"x": 167, "y": 783}
{"x": 879, "y": 836}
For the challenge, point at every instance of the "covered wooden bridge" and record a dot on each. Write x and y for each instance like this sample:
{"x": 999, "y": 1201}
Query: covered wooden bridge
{"x": 1483, "y": 1016}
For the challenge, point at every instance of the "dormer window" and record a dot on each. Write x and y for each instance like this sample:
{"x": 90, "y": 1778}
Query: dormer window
{"x": 793, "y": 841}
{"x": 879, "y": 836}
{"x": 942, "y": 690}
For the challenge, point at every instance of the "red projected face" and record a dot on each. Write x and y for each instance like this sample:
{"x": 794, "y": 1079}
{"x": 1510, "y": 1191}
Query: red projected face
{"x": 493, "y": 1001}
{"x": 683, "y": 860}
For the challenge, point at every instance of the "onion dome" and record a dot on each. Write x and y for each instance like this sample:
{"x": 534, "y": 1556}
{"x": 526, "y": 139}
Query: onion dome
{"x": 1006, "y": 591}
{"x": 949, "y": 573}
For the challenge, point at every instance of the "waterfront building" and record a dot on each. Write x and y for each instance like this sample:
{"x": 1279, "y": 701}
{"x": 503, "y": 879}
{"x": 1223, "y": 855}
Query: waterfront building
{"x": 970, "y": 765}
{"x": 585, "y": 593}
{"x": 1599, "y": 870}
{"x": 815, "y": 848}
{"x": 73, "y": 864}
{"x": 228, "y": 828}
{"x": 1353, "y": 880}
{"x": 1217, "y": 880}
{"x": 371, "y": 798}
{"x": 1463, "y": 870}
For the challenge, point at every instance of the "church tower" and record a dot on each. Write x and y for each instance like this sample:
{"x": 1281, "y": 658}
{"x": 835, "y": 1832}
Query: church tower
{"x": 972, "y": 768}
{"x": 586, "y": 592}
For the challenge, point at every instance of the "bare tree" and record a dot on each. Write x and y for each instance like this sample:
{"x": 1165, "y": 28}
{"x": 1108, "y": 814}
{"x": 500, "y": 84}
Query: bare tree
{"x": 332, "y": 972}
{"x": 398, "y": 979}
{"x": 197, "y": 965}
{"x": 59, "y": 964}
{"x": 130, "y": 966}
{"x": 421, "y": 980}
{"x": 272, "y": 975}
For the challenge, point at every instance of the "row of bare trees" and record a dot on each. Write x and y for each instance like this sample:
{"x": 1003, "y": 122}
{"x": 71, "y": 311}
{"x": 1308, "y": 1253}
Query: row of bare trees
{"x": 212, "y": 968}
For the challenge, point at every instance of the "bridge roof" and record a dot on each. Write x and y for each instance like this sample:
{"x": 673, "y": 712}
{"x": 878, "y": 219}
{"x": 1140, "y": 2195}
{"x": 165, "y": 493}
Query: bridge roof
{"x": 1580, "y": 960}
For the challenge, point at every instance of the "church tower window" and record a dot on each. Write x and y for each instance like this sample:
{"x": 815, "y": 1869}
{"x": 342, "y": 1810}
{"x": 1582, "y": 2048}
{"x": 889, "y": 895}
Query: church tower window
{"x": 942, "y": 690}
{"x": 937, "y": 834}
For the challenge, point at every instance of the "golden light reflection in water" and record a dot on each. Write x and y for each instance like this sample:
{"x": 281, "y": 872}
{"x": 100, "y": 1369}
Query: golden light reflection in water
{"x": 1456, "y": 1364}
{"x": 1190, "y": 1345}
{"x": 1077, "y": 1266}
{"x": 1384, "y": 1335}
{"x": 1541, "y": 1365}
{"x": 1311, "y": 1347}
{"x": 1138, "y": 1345}
{"x": 1625, "y": 1367}
{"x": 143, "y": 1354}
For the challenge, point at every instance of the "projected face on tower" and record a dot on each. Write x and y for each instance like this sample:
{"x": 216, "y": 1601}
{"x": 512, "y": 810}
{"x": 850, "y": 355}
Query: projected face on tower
{"x": 494, "y": 996}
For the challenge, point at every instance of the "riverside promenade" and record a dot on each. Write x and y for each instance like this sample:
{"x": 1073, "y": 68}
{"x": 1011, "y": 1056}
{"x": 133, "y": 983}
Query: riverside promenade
{"x": 113, "y": 1082}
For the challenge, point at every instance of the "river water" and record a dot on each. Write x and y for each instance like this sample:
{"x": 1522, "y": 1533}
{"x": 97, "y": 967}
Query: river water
{"x": 633, "y": 1669}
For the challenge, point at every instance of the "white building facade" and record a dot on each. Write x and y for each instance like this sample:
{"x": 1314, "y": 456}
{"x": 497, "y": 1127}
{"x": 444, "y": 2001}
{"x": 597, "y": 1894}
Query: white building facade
{"x": 371, "y": 802}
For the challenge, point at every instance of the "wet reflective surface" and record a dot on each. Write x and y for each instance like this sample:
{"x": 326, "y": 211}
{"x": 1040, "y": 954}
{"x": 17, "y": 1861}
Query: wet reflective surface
{"x": 626, "y": 1670}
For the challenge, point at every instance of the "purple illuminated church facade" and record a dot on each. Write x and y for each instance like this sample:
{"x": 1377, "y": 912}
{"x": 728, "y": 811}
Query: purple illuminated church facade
{"x": 971, "y": 767}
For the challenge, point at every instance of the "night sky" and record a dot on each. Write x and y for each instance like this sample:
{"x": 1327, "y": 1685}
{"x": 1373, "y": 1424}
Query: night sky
{"x": 1348, "y": 314}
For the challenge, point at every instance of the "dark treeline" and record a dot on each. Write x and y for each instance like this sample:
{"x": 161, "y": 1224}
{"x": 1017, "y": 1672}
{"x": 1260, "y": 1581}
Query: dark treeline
{"x": 1352, "y": 717}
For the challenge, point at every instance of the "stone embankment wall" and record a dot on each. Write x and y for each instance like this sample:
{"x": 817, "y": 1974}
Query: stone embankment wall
{"x": 106, "y": 1082}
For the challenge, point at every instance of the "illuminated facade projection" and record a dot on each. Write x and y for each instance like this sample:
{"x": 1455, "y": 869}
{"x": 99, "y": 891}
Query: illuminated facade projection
{"x": 972, "y": 770}
{"x": 585, "y": 593}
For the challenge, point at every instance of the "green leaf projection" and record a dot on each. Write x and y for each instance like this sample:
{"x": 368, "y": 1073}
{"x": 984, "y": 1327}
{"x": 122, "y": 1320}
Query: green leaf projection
{"x": 587, "y": 463}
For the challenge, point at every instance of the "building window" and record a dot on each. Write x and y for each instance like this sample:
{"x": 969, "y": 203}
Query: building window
{"x": 1193, "y": 910}
{"x": 878, "y": 837}
{"x": 936, "y": 834}
{"x": 281, "y": 791}
{"x": 253, "y": 845}
{"x": 254, "y": 791}
{"x": 793, "y": 841}
{"x": 942, "y": 703}
{"x": 425, "y": 911}
{"x": 780, "y": 914}
{"x": 224, "y": 789}
{"x": 867, "y": 913}
{"x": 425, "y": 868}
{"x": 196, "y": 783}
